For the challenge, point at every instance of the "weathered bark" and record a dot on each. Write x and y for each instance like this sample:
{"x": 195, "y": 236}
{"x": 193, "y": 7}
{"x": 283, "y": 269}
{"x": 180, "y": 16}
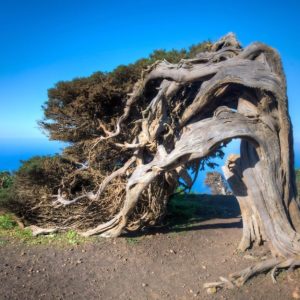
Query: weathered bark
{"x": 195, "y": 107}
{"x": 252, "y": 226}
{"x": 260, "y": 165}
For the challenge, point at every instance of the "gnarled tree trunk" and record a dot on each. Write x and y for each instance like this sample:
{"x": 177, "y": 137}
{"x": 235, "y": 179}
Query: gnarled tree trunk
{"x": 198, "y": 105}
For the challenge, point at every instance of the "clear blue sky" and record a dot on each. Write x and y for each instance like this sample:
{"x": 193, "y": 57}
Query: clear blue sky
{"x": 44, "y": 41}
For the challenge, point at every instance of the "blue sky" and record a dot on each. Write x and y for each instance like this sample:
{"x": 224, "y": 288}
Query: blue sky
{"x": 45, "y": 41}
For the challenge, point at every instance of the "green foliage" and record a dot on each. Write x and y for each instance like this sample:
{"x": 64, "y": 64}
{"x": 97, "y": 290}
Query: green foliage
{"x": 9, "y": 229}
{"x": 6, "y": 186}
{"x": 186, "y": 209}
{"x": 25, "y": 235}
{"x": 73, "y": 237}
{"x": 6, "y": 180}
{"x": 181, "y": 209}
{"x": 197, "y": 48}
{"x": 15, "y": 234}
{"x": 74, "y": 108}
{"x": 10, "y": 233}
{"x": 41, "y": 170}
{"x": 132, "y": 241}
{"x": 6, "y": 222}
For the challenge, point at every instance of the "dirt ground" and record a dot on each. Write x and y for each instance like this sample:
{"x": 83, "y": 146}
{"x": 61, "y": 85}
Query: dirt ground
{"x": 169, "y": 263}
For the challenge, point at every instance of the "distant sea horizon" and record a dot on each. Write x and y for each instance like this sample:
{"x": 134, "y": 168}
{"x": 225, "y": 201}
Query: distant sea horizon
{"x": 14, "y": 151}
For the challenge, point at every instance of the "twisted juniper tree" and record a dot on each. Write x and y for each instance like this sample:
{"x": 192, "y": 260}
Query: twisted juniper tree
{"x": 178, "y": 114}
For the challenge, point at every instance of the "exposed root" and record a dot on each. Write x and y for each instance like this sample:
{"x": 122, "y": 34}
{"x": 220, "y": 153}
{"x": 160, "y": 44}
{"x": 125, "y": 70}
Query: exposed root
{"x": 36, "y": 231}
{"x": 104, "y": 228}
{"x": 238, "y": 279}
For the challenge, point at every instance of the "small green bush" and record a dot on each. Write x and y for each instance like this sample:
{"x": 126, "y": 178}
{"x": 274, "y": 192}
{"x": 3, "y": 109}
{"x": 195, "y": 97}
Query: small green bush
{"x": 6, "y": 222}
{"x": 132, "y": 241}
{"x": 73, "y": 238}
{"x": 6, "y": 185}
{"x": 6, "y": 180}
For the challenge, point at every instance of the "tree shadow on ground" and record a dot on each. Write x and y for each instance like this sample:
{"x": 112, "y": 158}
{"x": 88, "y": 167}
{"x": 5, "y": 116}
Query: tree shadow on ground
{"x": 187, "y": 212}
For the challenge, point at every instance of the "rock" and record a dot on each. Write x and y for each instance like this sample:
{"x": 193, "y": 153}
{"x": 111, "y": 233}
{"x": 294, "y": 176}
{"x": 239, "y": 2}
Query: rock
{"x": 211, "y": 290}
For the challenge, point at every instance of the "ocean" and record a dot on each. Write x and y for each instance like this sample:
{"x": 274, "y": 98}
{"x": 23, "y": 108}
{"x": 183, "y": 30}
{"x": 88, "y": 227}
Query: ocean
{"x": 13, "y": 151}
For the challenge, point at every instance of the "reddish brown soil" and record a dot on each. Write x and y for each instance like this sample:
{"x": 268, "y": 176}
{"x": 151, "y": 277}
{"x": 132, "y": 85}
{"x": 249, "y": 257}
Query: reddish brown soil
{"x": 170, "y": 264}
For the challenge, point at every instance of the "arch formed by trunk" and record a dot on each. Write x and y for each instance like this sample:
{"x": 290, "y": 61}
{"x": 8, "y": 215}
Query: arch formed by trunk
{"x": 258, "y": 165}
{"x": 195, "y": 106}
